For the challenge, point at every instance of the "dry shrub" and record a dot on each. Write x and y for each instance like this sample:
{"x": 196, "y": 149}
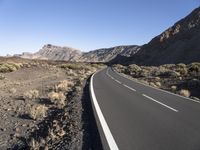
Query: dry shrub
{"x": 152, "y": 84}
{"x": 9, "y": 67}
{"x": 194, "y": 69}
{"x": 57, "y": 98}
{"x": 32, "y": 94}
{"x": 173, "y": 88}
{"x": 184, "y": 92}
{"x": 157, "y": 78}
{"x": 182, "y": 69}
{"x": 158, "y": 84}
{"x": 37, "y": 112}
{"x": 64, "y": 85}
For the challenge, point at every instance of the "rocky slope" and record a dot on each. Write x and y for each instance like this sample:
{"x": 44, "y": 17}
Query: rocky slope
{"x": 108, "y": 54}
{"x": 179, "y": 43}
{"x": 51, "y": 52}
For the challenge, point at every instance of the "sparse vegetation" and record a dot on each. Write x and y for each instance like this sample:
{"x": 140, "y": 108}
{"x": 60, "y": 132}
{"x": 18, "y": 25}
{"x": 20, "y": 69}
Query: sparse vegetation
{"x": 185, "y": 93}
{"x": 9, "y": 67}
{"x": 37, "y": 111}
{"x": 64, "y": 85}
{"x": 39, "y": 94}
{"x": 172, "y": 77}
{"x": 32, "y": 94}
{"x": 57, "y": 98}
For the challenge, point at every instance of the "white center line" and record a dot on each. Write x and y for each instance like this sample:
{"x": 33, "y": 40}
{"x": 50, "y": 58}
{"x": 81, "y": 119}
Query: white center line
{"x": 118, "y": 81}
{"x": 129, "y": 87}
{"x": 160, "y": 103}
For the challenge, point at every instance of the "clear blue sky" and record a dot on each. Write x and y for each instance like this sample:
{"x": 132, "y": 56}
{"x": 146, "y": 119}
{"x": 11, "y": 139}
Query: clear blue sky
{"x": 26, "y": 25}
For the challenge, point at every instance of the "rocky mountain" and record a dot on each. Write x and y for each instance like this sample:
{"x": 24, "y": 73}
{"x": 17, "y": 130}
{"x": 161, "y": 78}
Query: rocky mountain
{"x": 179, "y": 43}
{"x": 108, "y": 54}
{"x": 51, "y": 52}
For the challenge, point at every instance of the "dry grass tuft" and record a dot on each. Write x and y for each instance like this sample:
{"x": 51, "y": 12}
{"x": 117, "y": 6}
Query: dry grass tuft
{"x": 173, "y": 88}
{"x": 64, "y": 85}
{"x": 9, "y": 67}
{"x": 57, "y": 98}
{"x": 37, "y": 112}
{"x": 31, "y": 95}
{"x": 184, "y": 92}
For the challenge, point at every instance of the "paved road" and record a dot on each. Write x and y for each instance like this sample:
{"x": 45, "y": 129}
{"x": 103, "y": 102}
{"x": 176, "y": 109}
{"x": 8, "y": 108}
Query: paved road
{"x": 143, "y": 118}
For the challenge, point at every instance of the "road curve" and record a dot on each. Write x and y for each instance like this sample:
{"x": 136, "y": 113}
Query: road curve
{"x": 139, "y": 117}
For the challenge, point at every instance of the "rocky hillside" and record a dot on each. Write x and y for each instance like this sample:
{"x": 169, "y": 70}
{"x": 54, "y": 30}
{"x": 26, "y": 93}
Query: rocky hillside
{"x": 108, "y": 54}
{"x": 51, "y": 52}
{"x": 179, "y": 43}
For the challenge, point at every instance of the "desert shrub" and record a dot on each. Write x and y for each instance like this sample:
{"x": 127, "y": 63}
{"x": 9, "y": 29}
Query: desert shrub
{"x": 143, "y": 73}
{"x": 181, "y": 65}
{"x": 169, "y": 66}
{"x": 152, "y": 84}
{"x": 8, "y": 67}
{"x": 184, "y": 92}
{"x": 64, "y": 85}
{"x": 170, "y": 73}
{"x": 37, "y": 112}
{"x": 194, "y": 69}
{"x": 158, "y": 84}
{"x": 159, "y": 71}
{"x": 119, "y": 68}
{"x": 182, "y": 69}
{"x": 173, "y": 88}
{"x": 78, "y": 88}
{"x": 57, "y": 98}
{"x": 73, "y": 66}
{"x": 133, "y": 70}
{"x": 157, "y": 78}
{"x": 32, "y": 94}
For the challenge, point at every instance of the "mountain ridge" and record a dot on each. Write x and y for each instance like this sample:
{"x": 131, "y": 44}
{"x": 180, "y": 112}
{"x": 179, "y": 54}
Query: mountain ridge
{"x": 52, "y": 52}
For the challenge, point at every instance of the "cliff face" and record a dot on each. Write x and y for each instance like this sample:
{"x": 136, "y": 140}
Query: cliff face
{"x": 179, "y": 43}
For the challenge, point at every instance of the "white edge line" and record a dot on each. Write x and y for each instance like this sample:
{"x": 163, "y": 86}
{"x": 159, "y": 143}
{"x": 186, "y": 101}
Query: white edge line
{"x": 160, "y": 103}
{"x": 111, "y": 141}
{"x": 157, "y": 88}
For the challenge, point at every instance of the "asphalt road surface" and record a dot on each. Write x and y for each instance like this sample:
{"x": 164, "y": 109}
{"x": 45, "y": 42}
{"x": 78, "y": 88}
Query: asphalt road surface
{"x": 138, "y": 117}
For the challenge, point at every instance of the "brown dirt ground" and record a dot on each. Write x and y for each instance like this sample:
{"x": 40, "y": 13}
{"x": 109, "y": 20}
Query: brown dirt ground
{"x": 12, "y": 104}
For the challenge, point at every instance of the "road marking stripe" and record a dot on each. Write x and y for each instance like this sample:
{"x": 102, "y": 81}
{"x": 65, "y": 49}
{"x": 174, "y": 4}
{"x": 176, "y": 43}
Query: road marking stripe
{"x": 111, "y": 141}
{"x": 118, "y": 81}
{"x": 129, "y": 87}
{"x": 160, "y": 102}
{"x": 157, "y": 88}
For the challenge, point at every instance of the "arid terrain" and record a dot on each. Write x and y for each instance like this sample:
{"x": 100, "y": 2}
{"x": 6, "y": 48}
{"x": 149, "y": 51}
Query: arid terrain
{"x": 41, "y": 103}
{"x": 177, "y": 78}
